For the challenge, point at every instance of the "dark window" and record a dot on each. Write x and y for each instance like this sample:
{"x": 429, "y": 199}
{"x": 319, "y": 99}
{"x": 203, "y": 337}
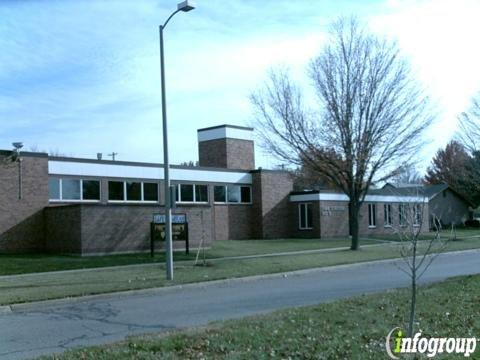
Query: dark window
{"x": 54, "y": 189}
{"x": 219, "y": 194}
{"x": 402, "y": 214}
{"x": 150, "y": 192}
{"x": 91, "y": 189}
{"x": 417, "y": 214}
{"x": 387, "y": 211}
{"x": 245, "y": 194}
{"x": 134, "y": 191}
{"x": 115, "y": 190}
{"x": 201, "y": 193}
{"x": 372, "y": 215}
{"x": 233, "y": 193}
{"x": 70, "y": 189}
{"x": 305, "y": 216}
{"x": 309, "y": 216}
{"x": 186, "y": 192}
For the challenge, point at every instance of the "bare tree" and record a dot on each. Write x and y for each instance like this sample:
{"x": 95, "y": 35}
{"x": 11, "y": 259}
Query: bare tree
{"x": 469, "y": 131}
{"x": 417, "y": 254}
{"x": 371, "y": 114}
{"x": 189, "y": 163}
{"x": 407, "y": 175}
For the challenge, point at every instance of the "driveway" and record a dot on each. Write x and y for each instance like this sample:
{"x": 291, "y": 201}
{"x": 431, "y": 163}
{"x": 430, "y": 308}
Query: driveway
{"x": 34, "y": 329}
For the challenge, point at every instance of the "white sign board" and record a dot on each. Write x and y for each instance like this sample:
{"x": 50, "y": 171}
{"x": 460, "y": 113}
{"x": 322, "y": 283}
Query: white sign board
{"x": 176, "y": 219}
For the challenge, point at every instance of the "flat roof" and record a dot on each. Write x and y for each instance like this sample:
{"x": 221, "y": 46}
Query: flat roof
{"x": 226, "y": 126}
{"x": 24, "y": 153}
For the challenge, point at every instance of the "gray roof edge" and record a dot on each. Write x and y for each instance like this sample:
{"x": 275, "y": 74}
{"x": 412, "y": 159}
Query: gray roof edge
{"x": 226, "y": 125}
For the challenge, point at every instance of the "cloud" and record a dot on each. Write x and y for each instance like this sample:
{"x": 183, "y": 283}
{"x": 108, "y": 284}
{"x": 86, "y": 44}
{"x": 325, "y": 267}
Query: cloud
{"x": 83, "y": 76}
{"x": 439, "y": 37}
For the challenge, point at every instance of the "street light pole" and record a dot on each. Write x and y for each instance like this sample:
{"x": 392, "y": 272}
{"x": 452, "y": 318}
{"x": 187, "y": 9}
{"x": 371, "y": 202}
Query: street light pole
{"x": 183, "y": 6}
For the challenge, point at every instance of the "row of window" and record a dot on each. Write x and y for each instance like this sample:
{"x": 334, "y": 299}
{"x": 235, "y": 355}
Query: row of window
{"x": 232, "y": 194}
{"x": 72, "y": 189}
{"x": 387, "y": 213}
{"x": 89, "y": 190}
{"x": 305, "y": 215}
{"x": 132, "y": 191}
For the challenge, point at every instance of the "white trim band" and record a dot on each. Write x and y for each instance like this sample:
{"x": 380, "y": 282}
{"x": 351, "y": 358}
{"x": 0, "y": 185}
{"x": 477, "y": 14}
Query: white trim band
{"x": 225, "y": 132}
{"x": 319, "y": 197}
{"x": 368, "y": 198}
{"x": 75, "y": 168}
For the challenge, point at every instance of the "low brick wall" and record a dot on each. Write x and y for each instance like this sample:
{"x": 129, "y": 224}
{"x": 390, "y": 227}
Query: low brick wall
{"x": 99, "y": 229}
{"x": 233, "y": 222}
{"x": 63, "y": 229}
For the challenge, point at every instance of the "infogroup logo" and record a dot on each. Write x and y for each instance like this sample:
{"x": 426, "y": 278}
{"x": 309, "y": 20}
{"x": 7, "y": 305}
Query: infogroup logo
{"x": 398, "y": 344}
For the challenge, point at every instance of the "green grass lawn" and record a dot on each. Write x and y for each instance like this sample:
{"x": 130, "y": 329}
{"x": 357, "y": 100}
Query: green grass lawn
{"x": 23, "y": 264}
{"x": 34, "y": 287}
{"x": 346, "y": 329}
{"x": 458, "y": 234}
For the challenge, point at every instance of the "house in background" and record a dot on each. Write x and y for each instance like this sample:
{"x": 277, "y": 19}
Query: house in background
{"x": 444, "y": 203}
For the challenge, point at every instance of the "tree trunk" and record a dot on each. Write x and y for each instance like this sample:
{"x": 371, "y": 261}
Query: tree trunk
{"x": 413, "y": 301}
{"x": 353, "y": 224}
{"x": 412, "y": 308}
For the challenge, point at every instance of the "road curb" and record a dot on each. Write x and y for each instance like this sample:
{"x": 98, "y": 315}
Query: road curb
{"x": 38, "y": 305}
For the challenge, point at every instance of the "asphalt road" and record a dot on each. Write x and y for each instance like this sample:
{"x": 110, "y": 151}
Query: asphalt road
{"x": 51, "y": 327}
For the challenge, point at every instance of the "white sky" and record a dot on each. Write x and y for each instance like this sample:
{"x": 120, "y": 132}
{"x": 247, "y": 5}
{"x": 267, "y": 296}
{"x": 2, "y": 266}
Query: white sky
{"x": 82, "y": 76}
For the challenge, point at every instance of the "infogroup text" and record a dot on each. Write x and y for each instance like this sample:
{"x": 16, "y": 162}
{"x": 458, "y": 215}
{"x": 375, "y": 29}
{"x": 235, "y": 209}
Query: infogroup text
{"x": 398, "y": 344}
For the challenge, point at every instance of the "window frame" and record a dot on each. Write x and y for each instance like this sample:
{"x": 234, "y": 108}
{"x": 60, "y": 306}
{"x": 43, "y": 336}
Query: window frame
{"x": 59, "y": 182}
{"x": 387, "y": 215}
{"x": 307, "y": 217}
{"x": 238, "y": 190}
{"x": 99, "y": 190}
{"x": 195, "y": 187}
{"x": 372, "y": 216}
{"x": 124, "y": 200}
{"x": 402, "y": 215}
{"x": 417, "y": 213}
{"x": 81, "y": 200}
{"x": 178, "y": 191}
{"x": 142, "y": 193}
{"x": 224, "y": 187}
{"x": 226, "y": 202}
{"x": 125, "y": 191}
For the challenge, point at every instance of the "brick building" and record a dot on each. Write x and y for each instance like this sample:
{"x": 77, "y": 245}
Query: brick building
{"x": 85, "y": 206}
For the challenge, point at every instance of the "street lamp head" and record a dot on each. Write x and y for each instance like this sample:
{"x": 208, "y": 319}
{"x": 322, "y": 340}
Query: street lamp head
{"x": 185, "y": 6}
{"x": 17, "y": 145}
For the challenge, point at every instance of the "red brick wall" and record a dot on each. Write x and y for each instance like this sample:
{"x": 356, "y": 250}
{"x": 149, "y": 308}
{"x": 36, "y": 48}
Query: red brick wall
{"x": 233, "y": 222}
{"x": 314, "y": 233}
{"x": 21, "y": 220}
{"x": 334, "y": 219}
{"x": 63, "y": 229}
{"x": 227, "y": 153}
{"x": 272, "y": 209}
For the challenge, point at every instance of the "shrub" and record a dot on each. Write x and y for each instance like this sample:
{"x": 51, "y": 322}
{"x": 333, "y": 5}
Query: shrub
{"x": 472, "y": 223}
